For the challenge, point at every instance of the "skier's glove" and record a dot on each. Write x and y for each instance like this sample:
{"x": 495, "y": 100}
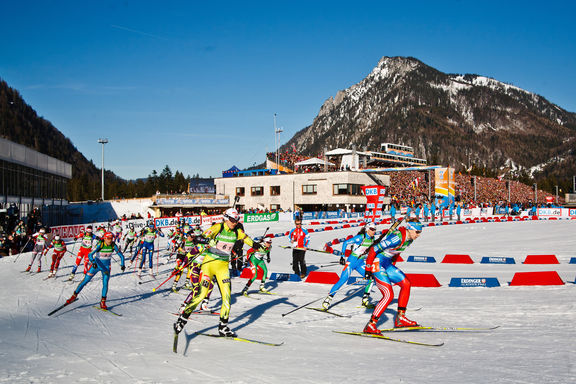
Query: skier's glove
{"x": 368, "y": 272}
{"x": 122, "y": 268}
{"x": 201, "y": 240}
{"x": 342, "y": 261}
{"x": 268, "y": 259}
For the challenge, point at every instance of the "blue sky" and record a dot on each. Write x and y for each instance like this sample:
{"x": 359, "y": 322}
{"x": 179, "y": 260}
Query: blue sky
{"x": 195, "y": 84}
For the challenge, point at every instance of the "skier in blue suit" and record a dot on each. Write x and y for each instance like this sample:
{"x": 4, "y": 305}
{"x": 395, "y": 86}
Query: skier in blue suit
{"x": 356, "y": 262}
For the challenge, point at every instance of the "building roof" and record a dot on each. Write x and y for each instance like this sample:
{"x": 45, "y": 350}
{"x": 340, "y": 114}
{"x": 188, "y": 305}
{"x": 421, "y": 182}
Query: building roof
{"x": 313, "y": 161}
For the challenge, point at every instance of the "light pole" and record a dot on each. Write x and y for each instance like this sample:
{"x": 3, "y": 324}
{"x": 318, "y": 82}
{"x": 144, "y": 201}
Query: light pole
{"x": 103, "y": 141}
{"x": 277, "y": 137}
{"x": 556, "y": 194}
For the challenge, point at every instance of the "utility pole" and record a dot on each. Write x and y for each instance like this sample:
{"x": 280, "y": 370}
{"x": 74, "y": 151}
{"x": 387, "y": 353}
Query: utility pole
{"x": 103, "y": 142}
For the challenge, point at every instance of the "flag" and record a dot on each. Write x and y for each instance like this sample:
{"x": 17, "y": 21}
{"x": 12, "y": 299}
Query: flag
{"x": 294, "y": 148}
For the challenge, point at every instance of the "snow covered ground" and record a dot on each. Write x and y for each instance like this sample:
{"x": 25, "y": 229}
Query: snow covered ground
{"x": 534, "y": 343}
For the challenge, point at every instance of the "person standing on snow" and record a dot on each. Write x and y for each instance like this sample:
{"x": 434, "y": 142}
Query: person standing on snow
{"x": 356, "y": 262}
{"x": 256, "y": 259}
{"x": 379, "y": 265}
{"x": 300, "y": 240}
{"x": 216, "y": 264}
{"x": 100, "y": 258}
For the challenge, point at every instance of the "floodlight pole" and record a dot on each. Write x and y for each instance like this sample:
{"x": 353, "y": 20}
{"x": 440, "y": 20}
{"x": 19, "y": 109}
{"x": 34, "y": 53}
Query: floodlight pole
{"x": 277, "y": 134}
{"x": 103, "y": 142}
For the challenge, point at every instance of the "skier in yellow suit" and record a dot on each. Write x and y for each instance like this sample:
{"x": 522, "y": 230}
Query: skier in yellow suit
{"x": 221, "y": 238}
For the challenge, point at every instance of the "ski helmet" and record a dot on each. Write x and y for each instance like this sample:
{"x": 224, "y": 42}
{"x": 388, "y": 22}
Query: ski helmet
{"x": 371, "y": 226}
{"x": 414, "y": 225}
{"x": 232, "y": 215}
{"x": 57, "y": 238}
{"x": 268, "y": 240}
{"x": 108, "y": 235}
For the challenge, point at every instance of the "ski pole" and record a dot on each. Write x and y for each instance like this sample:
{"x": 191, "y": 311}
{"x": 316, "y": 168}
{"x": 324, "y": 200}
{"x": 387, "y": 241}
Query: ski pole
{"x": 329, "y": 265}
{"x": 19, "y": 253}
{"x": 174, "y": 272}
{"x": 310, "y": 249}
{"x": 312, "y": 302}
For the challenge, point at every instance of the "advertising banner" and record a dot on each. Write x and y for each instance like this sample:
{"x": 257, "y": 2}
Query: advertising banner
{"x": 171, "y": 222}
{"x": 209, "y": 220}
{"x": 444, "y": 189}
{"x": 260, "y": 217}
{"x": 374, "y": 197}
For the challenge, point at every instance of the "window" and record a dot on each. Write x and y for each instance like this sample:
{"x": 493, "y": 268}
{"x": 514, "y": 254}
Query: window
{"x": 275, "y": 190}
{"x": 310, "y": 189}
{"x": 257, "y": 191}
{"x": 347, "y": 189}
{"x": 240, "y": 191}
{"x": 274, "y": 207}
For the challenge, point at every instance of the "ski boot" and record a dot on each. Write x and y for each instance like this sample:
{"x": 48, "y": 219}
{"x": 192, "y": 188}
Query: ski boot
{"x": 244, "y": 291}
{"x": 103, "y": 303}
{"x": 28, "y": 269}
{"x": 51, "y": 274}
{"x": 182, "y": 308}
{"x": 402, "y": 321}
{"x": 204, "y": 305}
{"x": 187, "y": 286}
{"x": 224, "y": 330}
{"x": 72, "y": 298}
{"x": 262, "y": 289}
{"x": 175, "y": 287}
{"x": 326, "y": 302}
{"x": 139, "y": 273}
{"x": 366, "y": 301}
{"x": 39, "y": 270}
{"x": 151, "y": 273}
{"x": 371, "y": 327}
{"x": 180, "y": 323}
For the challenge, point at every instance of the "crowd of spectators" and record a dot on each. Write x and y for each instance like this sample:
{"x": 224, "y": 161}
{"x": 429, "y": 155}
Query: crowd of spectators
{"x": 411, "y": 188}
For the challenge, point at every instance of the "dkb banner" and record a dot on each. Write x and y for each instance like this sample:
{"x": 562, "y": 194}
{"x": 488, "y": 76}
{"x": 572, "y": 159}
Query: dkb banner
{"x": 374, "y": 199}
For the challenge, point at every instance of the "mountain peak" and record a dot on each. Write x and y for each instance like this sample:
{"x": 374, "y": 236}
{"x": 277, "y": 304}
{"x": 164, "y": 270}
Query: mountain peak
{"x": 403, "y": 100}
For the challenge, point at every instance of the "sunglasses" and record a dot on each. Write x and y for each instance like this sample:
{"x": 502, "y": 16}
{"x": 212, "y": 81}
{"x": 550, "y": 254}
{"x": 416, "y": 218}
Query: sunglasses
{"x": 418, "y": 232}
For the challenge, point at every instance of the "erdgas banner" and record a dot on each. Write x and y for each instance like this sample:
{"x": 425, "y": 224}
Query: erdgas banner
{"x": 260, "y": 217}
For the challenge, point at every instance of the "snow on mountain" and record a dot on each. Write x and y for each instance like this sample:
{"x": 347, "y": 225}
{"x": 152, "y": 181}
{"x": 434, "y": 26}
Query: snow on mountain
{"x": 403, "y": 100}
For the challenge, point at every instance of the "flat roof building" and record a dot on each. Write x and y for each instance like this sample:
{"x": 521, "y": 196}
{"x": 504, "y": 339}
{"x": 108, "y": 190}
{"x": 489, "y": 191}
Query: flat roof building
{"x": 29, "y": 178}
{"x": 301, "y": 191}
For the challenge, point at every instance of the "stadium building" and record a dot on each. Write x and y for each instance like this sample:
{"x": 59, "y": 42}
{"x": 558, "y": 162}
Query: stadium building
{"x": 30, "y": 179}
{"x": 320, "y": 191}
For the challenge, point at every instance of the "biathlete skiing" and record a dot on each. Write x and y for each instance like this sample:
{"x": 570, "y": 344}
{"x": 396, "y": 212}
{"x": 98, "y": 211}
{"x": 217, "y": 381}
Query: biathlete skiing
{"x": 85, "y": 248}
{"x": 222, "y": 237}
{"x": 40, "y": 244}
{"x": 59, "y": 250}
{"x": 100, "y": 258}
{"x": 356, "y": 261}
{"x": 379, "y": 265}
{"x": 258, "y": 259}
{"x": 147, "y": 245}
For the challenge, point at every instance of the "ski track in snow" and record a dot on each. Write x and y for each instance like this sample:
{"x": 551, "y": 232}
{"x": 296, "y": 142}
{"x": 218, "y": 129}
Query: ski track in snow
{"x": 81, "y": 344}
